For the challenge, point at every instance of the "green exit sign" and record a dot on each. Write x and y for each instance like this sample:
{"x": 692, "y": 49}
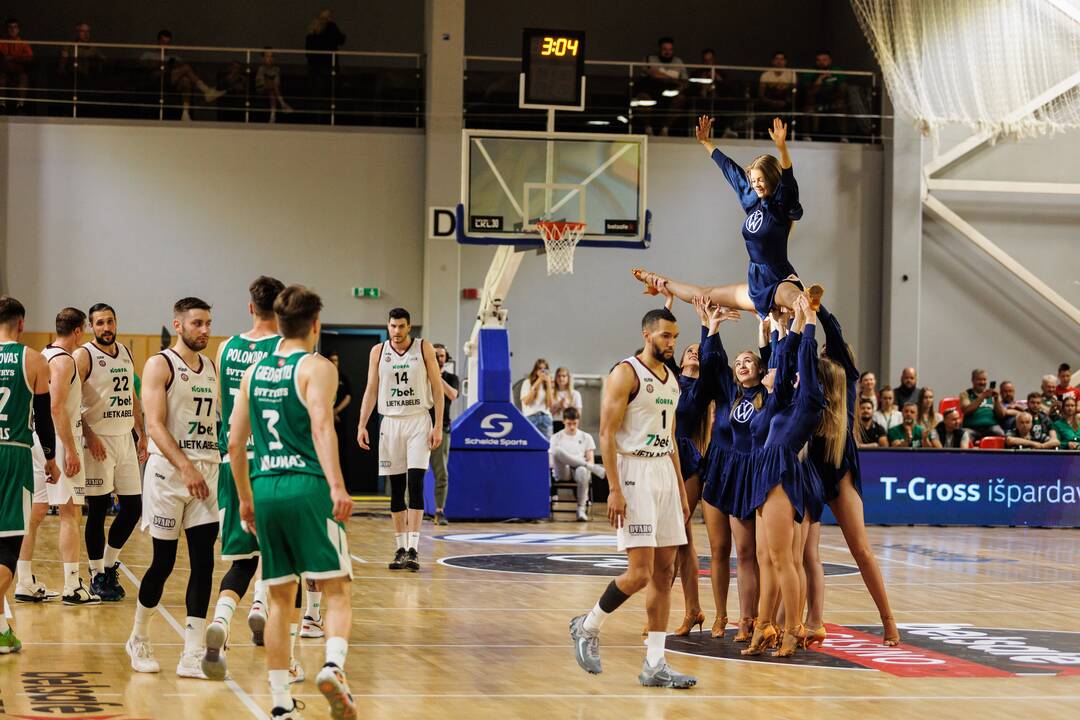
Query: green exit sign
{"x": 365, "y": 292}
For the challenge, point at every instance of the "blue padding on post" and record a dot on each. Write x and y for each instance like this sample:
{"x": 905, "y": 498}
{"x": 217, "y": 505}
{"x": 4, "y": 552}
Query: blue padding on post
{"x": 494, "y": 351}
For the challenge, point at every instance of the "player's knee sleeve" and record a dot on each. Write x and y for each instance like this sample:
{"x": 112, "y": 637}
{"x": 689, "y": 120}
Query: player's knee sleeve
{"x": 416, "y": 488}
{"x": 161, "y": 566}
{"x": 126, "y": 520}
{"x": 9, "y": 552}
{"x": 97, "y": 507}
{"x": 200, "y": 540}
{"x": 238, "y": 577}
{"x": 397, "y": 493}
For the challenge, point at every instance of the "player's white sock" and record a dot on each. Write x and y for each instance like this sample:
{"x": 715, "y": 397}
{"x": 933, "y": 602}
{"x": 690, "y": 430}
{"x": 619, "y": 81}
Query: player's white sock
{"x": 260, "y": 592}
{"x": 399, "y": 540}
{"x": 143, "y": 615}
{"x": 4, "y": 627}
{"x": 25, "y": 571}
{"x": 314, "y": 605}
{"x": 224, "y": 610}
{"x": 281, "y": 695}
{"x": 96, "y": 567}
{"x": 292, "y": 639}
{"x": 336, "y": 649}
{"x": 111, "y": 556}
{"x": 71, "y": 577}
{"x": 414, "y": 540}
{"x": 194, "y": 634}
{"x": 654, "y": 645}
{"x": 595, "y": 619}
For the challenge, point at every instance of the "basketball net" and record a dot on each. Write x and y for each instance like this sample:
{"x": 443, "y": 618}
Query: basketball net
{"x": 560, "y": 240}
{"x": 1005, "y": 68}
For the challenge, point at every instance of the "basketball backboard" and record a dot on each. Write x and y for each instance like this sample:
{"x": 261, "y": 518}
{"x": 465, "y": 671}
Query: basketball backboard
{"x": 510, "y": 180}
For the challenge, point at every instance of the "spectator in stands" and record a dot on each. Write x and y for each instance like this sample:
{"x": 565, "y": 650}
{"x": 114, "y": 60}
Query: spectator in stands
{"x": 1068, "y": 425}
{"x": 177, "y": 75}
{"x": 868, "y": 388}
{"x": 234, "y": 82}
{"x": 563, "y": 397}
{"x": 887, "y": 416}
{"x": 775, "y": 86}
{"x": 705, "y": 85}
{"x": 908, "y": 389}
{"x": 1023, "y": 436}
{"x": 268, "y": 84}
{"x": 1041, "y": 424}
{"x": 869, "y": 433}
{"x": 1064, "y": 377}
{"x": 949, "y": 433}
{"x": 572, "y": 455}
{"x": 1013, "y": 407}
{"x": 16, "y": 57}
{"x": 661, "y": 92}
{"x": 907, "y": 433}
{"x": 1050, "y": 402}
{"x": 826, "y": 95}
{"x": 928, "y": 416}
{"x": 87, "y": 66}
{"x": 981, "y": 407}
{"x": 451, "y": 385}
{"x": 323, "y": 37}
{"x": 536, "y": 393}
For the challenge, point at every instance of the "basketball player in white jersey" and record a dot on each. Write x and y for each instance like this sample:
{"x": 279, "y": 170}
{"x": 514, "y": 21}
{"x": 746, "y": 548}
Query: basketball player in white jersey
{"x": 65, "y": 389}
{"x": 180, "y": 389}
{"x": 646, "y": 502}
{"x": 110, "y": 411}
{"x": 404, "y": 375}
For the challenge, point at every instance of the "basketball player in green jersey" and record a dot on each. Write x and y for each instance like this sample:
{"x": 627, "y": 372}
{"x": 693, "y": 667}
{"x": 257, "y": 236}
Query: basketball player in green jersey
{"x": 295, "y": 496}
{"x": 24, "y": 389}
{"x": 236, "y": 355}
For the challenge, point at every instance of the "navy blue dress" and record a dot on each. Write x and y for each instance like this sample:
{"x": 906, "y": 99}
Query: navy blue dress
{"x": 765, "y": 230}
{"x": 727, "y": 470}
{"x": 837, "y": 350}
{"x": 785, "y": 424}
{"x": 695, "y": 394}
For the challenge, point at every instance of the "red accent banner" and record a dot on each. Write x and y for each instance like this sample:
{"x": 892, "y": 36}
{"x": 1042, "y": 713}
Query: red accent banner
{"x": 904, "y": 660}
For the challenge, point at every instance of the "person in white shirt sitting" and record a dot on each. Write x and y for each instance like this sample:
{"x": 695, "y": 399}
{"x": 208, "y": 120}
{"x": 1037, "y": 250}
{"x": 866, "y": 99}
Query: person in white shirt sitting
{"x": 572, "y": 454}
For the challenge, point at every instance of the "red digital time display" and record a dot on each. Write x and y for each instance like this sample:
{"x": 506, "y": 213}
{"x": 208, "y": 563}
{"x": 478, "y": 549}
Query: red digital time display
{"x": 553, "y": 62}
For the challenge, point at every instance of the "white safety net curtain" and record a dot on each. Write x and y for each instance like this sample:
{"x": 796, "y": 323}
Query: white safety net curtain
{"x": 1007, "y": 67}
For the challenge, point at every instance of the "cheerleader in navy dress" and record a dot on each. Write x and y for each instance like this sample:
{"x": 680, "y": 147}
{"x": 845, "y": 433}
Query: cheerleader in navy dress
{"x": 842, "y": 490}
{"x": 769, "y": 196}
{"x": 792, "y": 412}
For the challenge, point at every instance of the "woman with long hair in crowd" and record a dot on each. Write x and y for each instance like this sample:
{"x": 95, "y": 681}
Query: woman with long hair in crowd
{"x": 841, "y": 482}
{"x": 887, "y": 414}
{"x": 563, "y": 396}
{"x": 536, "y": 393}
{"x": 928, "y": 417}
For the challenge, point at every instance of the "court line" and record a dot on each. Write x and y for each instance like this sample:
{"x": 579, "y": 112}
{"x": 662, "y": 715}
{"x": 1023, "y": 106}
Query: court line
{"x": 880, "y": 557}
{"x": 238, "y": 691}
{"x": 358, "y": 559}
{"x": 691, "y": 695}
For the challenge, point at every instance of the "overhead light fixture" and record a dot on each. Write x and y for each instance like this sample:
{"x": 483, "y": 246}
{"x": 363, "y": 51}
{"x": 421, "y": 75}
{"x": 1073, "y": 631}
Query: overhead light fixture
{"x": 670, "y": 93}
{"x": 645, "y": 102}
{"x": 623, "y": 119}
{"x": 701, "y": 80}
{"x": 598, "y": 122}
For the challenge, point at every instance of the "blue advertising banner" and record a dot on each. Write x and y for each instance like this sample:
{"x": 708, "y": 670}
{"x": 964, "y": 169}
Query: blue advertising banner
{"x": 965, "y": 487}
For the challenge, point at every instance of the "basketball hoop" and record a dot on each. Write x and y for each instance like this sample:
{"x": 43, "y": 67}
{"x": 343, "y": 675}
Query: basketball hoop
{"x": 560, "y": 239}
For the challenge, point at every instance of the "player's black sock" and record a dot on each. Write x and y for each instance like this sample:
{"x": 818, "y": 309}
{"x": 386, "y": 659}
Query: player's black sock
{"x": 161, "y": 566}
{"x": 200, "y": 541}
{"x": 299, "y": 596}
{"x": 97, "y": 506}
{"x": 125, "y": 521}
{"x": 238, "y": 577}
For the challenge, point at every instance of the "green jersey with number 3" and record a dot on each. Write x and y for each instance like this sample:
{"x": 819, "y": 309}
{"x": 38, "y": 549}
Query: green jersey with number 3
{"x": 16, "y": 397}
{"x": 280, "y": 425}
{"x": 237, "y": 355}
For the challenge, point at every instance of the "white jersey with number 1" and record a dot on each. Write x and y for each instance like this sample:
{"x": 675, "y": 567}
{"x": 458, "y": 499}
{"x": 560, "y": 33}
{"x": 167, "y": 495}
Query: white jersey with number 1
{"x": 403, "y": 381}
{"x": 646, "y": 429}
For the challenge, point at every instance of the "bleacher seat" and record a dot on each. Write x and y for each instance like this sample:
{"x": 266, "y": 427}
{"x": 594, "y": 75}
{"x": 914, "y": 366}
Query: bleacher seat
{"x": 948, "y": 403}
{"x": 992, "y": 442}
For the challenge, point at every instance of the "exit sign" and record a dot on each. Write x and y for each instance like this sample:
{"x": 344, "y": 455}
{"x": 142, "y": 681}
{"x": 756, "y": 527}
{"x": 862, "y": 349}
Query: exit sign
{"x": 367, "y": 292}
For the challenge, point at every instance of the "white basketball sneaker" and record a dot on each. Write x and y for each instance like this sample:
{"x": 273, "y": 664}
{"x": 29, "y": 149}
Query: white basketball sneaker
{"x": 190, "y": 665}
{"x": 142, "y": 655}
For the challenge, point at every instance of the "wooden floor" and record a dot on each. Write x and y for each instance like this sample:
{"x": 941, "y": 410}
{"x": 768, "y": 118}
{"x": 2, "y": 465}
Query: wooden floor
{"x": 462, "y": 642}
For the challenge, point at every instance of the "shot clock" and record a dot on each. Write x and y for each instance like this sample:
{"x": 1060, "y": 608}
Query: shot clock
{"x": 553, "y": 69}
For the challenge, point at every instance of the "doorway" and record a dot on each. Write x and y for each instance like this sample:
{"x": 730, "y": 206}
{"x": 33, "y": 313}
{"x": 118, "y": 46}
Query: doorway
{"x": 353, "y": 347}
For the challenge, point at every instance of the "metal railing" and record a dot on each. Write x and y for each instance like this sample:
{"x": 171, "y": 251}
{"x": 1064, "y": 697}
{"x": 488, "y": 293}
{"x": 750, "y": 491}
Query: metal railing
{"x": 164, "y": 82}
{"x": 836, "y": 105}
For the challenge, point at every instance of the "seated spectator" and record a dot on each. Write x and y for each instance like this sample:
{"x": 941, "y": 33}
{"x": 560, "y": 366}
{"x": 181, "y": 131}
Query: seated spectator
{"x": 887, "y": 416}
{"x": 1050, "y": 401}
{"x": 907, "y": 433}
{"x": 981, "y": 407}
{"x": 87, "y": 65}
{"x": 1064, "y": 387}
{"x": 1012, "y": 406}
{"x": 868, "y": 434}
{"x": 176, "y": 74}
{"x": 928, "y": 416}
{"x": 1041, "y": 423}
{"x": 1068, "y": 425}
{"x": 949, "y": 433}
{"x": 868, "y": 388}
{"x": 776, "y": 87}
{"x": 16, "y": 57}
{"x": 268, "y": 84}
{"x": 234, "y": 82}
{"x": 908, "y": 389}
{"x": 323, "y": 37}
{"x": 826, "y": 94}
{"x": 572, "y": 456}
{"x": 563, "y": 397}
{"x": 536, "y": 393}
{"x": 1024, "y": 437}
{"x": 660, "y": 94}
